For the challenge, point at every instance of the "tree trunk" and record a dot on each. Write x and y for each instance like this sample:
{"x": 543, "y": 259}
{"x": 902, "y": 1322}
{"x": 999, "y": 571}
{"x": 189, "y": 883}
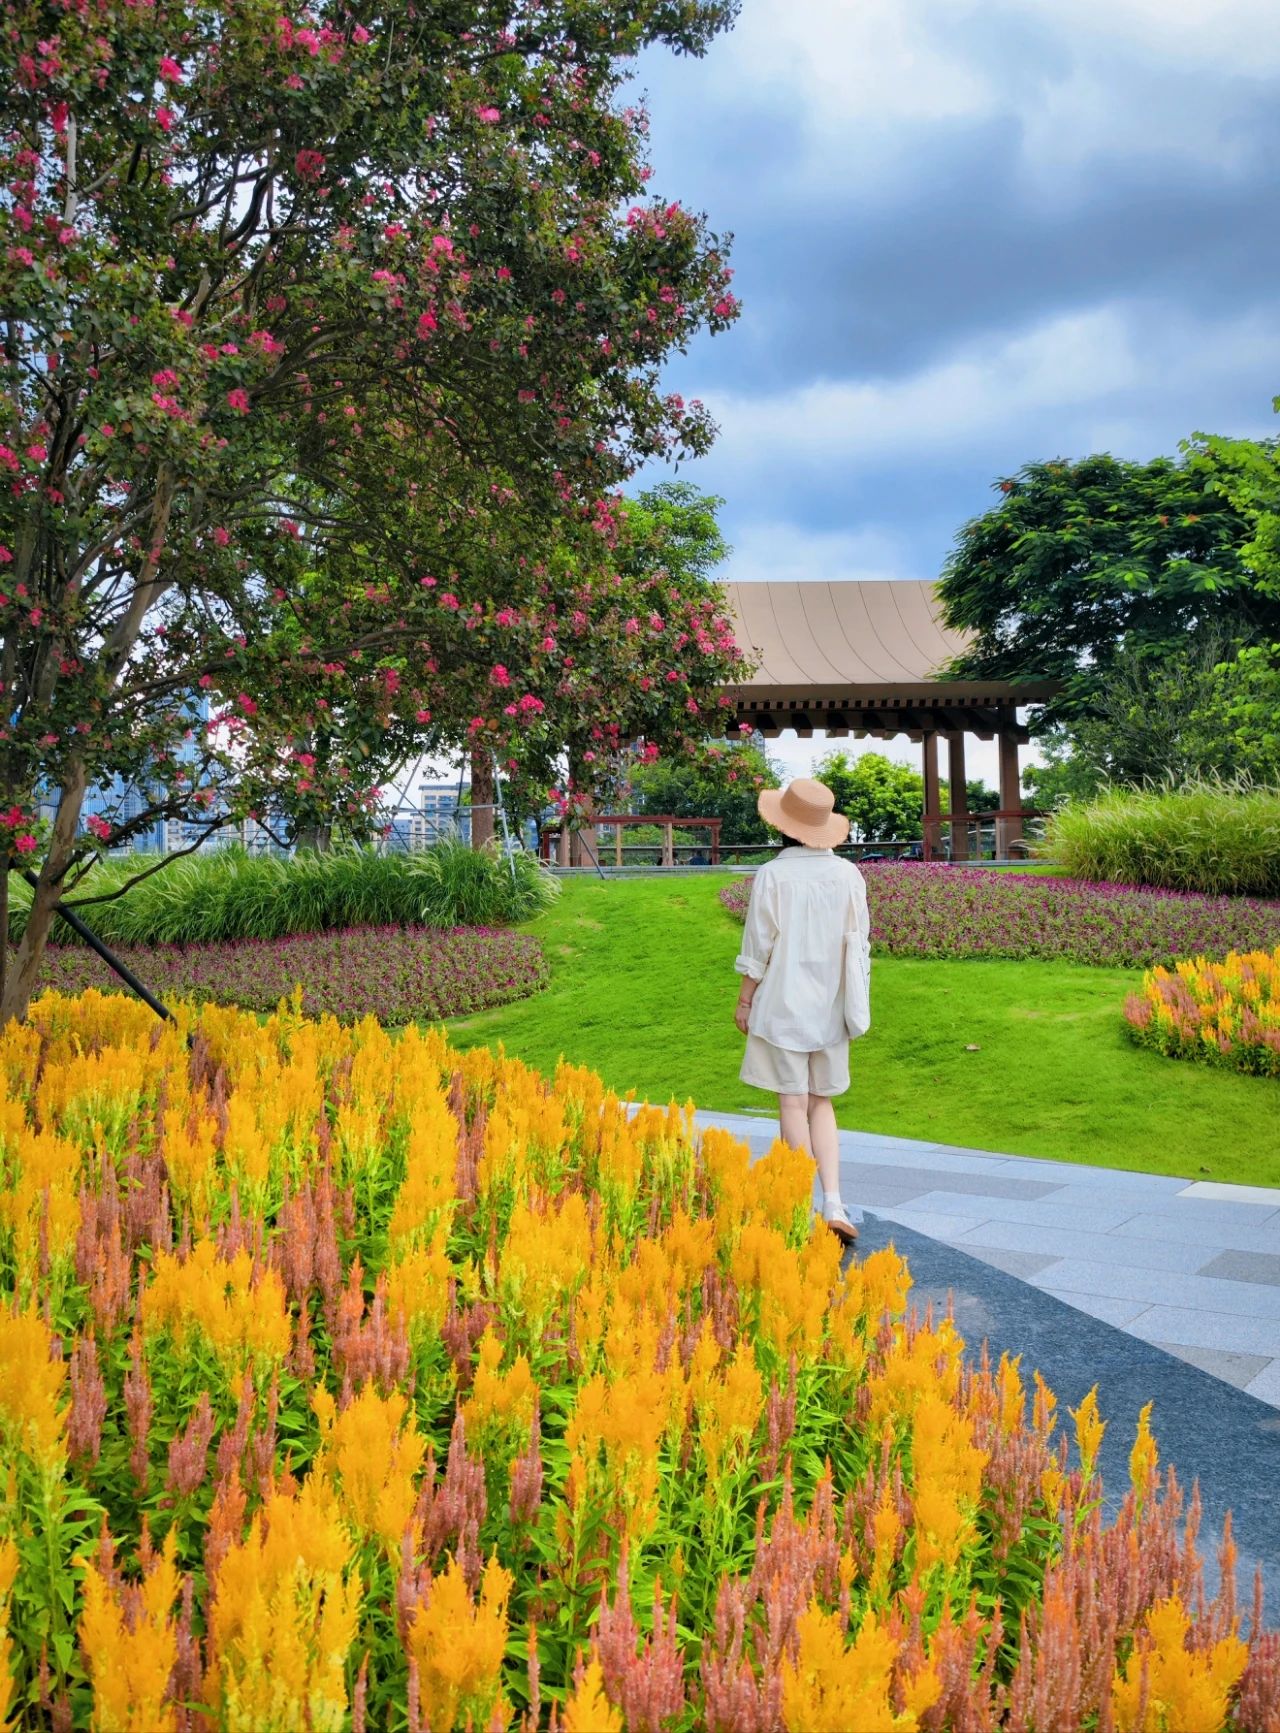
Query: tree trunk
{"x": 317, "y": 838}
{"x": 23, "y": 974}
{"x": 482, "y": 797}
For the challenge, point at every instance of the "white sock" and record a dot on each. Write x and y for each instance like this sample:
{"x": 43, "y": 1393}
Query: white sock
{"x": 833, "y": 1200}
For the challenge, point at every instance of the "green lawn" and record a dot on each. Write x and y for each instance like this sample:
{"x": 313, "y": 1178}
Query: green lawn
{"x": 643, "y": 990}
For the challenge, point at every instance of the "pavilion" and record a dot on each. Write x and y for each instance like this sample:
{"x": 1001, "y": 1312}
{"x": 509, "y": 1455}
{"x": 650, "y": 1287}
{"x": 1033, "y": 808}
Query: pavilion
{"x": 864, "y": 658}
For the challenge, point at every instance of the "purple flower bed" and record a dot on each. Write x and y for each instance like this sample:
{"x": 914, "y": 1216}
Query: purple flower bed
{"x": 396, "y": 974}
{"x": 942, "y": 911}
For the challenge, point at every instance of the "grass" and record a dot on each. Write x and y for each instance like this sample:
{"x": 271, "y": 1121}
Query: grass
{"x": 1217, "y": 837}
{"x": 226, "y": 895}
{"x": 642, "y": 990}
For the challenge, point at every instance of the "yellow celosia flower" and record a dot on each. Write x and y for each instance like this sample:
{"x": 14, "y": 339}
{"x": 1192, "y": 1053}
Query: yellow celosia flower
{"x": 130, "y": 1661}
{"x": 545, "y": 1258}
{"x": 418, "y": 1285}
{"x": 589, "y": 1710}
{"x": 283, "y": 1618}
{"x": 1144, "y": 1458}
{"x": 834, "y": 1689}
{"x": 373, "y": 1452}
{"x": 458, "y": 1645}
{"x": 917, "y": 1363}
{"x": 501, "y": 1403}
{"x": 31, "y": 1388}
{"x": 8, "y": 1576}
{"x": 779, "y": 1189}
{"x": 1165, "y": 1687}
{"x": 241, "y": 1315}
{"x": 1089, "y": 1430}
{"x": 728, "y": 1412}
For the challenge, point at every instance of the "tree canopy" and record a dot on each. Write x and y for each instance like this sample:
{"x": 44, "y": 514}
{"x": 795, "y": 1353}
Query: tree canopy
{"x": 325, "y": 335}
{"x": 1083, "y": 563}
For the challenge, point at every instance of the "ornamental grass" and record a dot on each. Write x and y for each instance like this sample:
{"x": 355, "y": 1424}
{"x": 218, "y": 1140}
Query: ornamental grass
{"x": 1209, "y": 836}
{"x": 220, "y": 895}
{"x": 1227, "y": 1013}
{"x": 354, "y": 1383}
{"x": 920, "y": 910}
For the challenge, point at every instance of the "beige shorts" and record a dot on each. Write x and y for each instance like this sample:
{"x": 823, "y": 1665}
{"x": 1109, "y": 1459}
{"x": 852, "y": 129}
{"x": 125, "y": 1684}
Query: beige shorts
{"x": 825, "y": 1072}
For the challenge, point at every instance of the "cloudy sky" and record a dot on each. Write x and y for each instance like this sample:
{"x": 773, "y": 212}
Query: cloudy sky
{"x": 968, "y": 236}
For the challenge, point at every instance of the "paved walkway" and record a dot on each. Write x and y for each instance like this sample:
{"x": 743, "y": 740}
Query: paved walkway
{"x": 1189, "y": 1267}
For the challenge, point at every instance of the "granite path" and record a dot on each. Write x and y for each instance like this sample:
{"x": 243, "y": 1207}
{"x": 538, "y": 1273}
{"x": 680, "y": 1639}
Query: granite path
{"x": 1192, "y": 1267}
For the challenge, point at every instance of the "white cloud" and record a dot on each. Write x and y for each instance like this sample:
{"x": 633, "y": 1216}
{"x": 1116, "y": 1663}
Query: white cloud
{"x": 1079, "y": 79}
{"x": 1058, "y": 388}
{"x": 771, "y": 548}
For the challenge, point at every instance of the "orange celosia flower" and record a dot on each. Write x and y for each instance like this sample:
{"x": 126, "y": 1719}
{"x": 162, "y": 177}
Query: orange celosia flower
{"x": 130, "y": 1660}
{"x": 729, "y": 1411}
{"x": 458, "y": 1645}
{"x": 501, "y": 1403}
{"x": 1165, "y": 1686}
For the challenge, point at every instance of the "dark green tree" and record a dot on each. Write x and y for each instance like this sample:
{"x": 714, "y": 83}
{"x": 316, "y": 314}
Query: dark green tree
{"x": 1082, "y": 564}
{"x": 721, "y": 782}
{"x": 882, "y": 799}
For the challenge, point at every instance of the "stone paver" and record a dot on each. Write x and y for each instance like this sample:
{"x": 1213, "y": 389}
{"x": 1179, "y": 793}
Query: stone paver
{"x": 1191, "y": 1267}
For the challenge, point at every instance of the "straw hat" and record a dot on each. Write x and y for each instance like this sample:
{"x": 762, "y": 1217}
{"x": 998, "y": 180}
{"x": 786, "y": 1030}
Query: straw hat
{"x": 805, "y": 810}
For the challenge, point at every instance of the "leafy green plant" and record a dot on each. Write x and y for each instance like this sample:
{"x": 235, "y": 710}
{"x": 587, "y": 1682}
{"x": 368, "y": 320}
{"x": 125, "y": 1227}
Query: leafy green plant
{"x": 1219, "y": 837}
{"x": 204, "y": 898}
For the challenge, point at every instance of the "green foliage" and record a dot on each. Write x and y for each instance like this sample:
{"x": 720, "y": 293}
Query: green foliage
{"x": 723, "y": 783}
{"x": 1199, "y": 836}
{"x": 881, "y": 799}
{"x": 231, "y": 895}
{"x": 1066, "y": 774}
{"x": 1083, "y": 562}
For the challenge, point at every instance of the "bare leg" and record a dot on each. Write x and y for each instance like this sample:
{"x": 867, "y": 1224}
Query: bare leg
{"x": 793, "y": 1121}
{"x": 824, "y": 1142}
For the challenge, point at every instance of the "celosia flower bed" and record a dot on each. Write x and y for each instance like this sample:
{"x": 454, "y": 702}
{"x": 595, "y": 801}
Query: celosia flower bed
{"x": 1227, "y": 1013}
{"x": 351, "y": 1382}
{"x": 396, "y": 974}
{"x": 945, "y": 911}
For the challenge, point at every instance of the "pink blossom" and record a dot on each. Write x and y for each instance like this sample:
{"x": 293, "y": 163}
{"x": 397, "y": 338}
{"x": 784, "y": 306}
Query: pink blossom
{"x": 238, "y": 400}
{"x": 449, "y": 600}
{"x": 205, "y": 681}
{"x": 99, "y": 826}
{"x": 360, "y": 35}
{"x": 247, "y": 704}
{"x": 6, "y": 556}
{"x": 422, "y": 716}
{"x": 309, "y": 164}
{"x": 221, "y": 536}
{"x": 489, "y": 115}
{"x": 22, "y": 256}
{"x": 24, "y": 842}
{"x": 548, "y": 644}
{"x": 427, "y": 323}
{"x": 499, "y": 675}
{"x": 164, "y": 119}
{"x": 170, "y": 71}
{"x": 37, "y": 453}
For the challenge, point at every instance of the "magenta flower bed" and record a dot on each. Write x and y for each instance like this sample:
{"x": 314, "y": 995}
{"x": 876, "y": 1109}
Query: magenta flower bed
{"x": 942, "y": 911}
{"x": 396, "y": 974}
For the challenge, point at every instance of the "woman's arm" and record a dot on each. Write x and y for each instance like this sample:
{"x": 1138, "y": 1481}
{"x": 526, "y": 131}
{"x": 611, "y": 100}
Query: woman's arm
{"x": 758, "y": 937}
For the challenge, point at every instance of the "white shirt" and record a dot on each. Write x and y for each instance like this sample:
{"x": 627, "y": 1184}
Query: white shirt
{"x": 803, "y": 902}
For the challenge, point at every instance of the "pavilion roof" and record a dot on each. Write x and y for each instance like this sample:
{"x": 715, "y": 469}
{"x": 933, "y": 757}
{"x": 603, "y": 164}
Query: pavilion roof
{"x": 860, "y": 657}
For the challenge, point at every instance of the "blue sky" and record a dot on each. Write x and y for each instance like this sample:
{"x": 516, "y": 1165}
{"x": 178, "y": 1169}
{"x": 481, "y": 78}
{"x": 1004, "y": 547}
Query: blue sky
{"x": 967, "y": 237}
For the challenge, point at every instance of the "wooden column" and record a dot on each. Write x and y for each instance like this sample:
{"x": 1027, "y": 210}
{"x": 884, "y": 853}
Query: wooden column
{"x": 932, "y": 797}
{"x": 959, "y": 797}
{"x": 617, "y": 845}
{"x": 563, "y": 846}
{"x": 668, "y": 845}
{"x": 1009, "y": 830}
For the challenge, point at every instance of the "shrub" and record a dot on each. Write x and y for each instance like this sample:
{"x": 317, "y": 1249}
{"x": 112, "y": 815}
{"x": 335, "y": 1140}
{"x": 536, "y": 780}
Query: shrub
{"x": 1205, "y": 836}
{"x": 332, "y": 1367}
{"x": 1227, "y": 1013}
{"x": 396, "y": 974}
{"x": 946, "y": 911}
{"x": 228, "y": 894}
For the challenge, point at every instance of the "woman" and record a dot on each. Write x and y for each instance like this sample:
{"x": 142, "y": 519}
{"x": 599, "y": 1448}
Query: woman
{"x": 791, "y": 1006}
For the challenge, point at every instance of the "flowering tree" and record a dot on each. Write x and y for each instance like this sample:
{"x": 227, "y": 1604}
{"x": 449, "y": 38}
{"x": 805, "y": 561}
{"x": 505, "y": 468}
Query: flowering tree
{"x": 240, "y": 249}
